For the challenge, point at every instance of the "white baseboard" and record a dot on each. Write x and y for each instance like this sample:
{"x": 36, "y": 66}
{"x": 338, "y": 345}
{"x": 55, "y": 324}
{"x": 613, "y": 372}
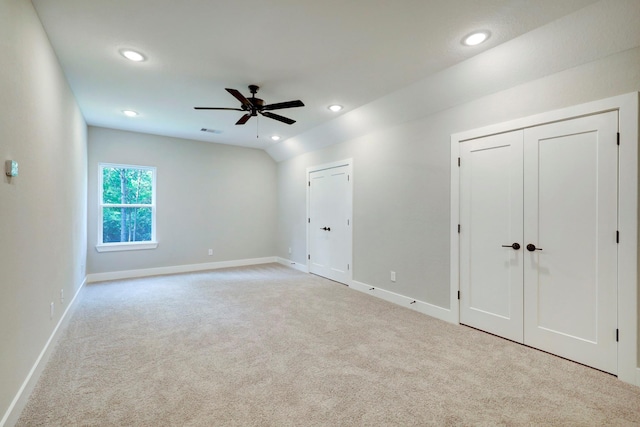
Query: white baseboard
{"x": 188, "y": 268}
{"x": 293, "y": 264}
{"x": 20, "y": 400}
{"x": 638, "y": 377}
{"x": 420, "y": 306}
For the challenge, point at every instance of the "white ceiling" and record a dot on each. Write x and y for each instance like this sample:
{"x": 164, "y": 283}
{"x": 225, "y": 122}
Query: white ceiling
{"x": 322, "y": 52}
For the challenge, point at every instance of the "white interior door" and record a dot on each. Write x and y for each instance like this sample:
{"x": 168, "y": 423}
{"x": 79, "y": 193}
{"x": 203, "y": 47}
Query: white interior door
{"x": 491, "y": 204}
{"x": 329, "y": 223}
{"x": 570, "y": 215}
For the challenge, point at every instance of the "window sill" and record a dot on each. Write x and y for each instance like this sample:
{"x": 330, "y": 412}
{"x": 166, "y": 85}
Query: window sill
{"x": 133, "y": 246}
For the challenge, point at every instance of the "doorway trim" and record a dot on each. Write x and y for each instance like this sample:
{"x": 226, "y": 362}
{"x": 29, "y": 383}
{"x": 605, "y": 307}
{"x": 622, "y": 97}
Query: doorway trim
{"x": 627, "y": 107}
{"x": 324, "y": 166}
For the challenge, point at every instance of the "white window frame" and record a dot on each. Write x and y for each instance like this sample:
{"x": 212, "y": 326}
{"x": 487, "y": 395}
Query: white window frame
{"x": 125, "y": 246}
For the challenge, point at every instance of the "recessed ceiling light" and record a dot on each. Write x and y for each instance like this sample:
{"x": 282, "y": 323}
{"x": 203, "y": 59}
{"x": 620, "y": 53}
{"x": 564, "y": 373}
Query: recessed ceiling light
{"x": 132, "y": 55}
{"x": 476, "y": 38}
{"x": 275, "y": 138}
{"x": 335, "y": 107}
{"x": 130, "y": 113}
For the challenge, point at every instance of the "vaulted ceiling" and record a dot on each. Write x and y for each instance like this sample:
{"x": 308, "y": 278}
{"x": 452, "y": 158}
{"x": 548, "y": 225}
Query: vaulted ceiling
{"x": 321, "y": 52}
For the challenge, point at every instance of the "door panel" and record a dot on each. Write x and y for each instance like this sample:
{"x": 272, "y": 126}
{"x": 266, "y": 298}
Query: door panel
{"x": 570, "y": 187}
{"x": 337, "y": 221}
{"x": 329, "y": 223}
{"x": 491, "y": 214}
{"x": 319, "y": 244}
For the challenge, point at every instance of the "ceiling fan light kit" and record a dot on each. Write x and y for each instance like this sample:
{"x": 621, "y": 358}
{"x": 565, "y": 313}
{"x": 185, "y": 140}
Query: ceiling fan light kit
{"x": 254, "y": 106}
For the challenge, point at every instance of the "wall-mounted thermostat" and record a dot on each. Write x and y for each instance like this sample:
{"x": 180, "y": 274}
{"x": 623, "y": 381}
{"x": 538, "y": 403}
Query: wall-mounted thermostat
{"x": 11, "y": 168}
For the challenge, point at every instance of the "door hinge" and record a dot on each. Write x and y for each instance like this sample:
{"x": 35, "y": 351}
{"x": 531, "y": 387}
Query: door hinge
{"x": 348, "y": 267}
{"x": 617, "y": 335}
{"x": 309, "y": 183}
{"x": 308, "y": 256}
{"x": 458, "y": 228}
{"x": 348, "y": 178}
{"x": 348, "y": 222}
{"x": 458, "y": 161}
{"x": 618, "y": 138}
{"x": 458, "y": 294}
{"x": 309, "y": 221}
{"x": 617, "y": 236}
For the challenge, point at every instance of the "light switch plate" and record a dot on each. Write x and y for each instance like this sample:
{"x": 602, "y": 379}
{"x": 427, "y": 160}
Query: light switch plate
{"x": 11, "y": 168}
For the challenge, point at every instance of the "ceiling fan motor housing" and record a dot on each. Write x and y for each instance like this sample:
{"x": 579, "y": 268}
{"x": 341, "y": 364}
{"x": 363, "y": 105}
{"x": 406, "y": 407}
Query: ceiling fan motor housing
{"x": 257, "y": 102}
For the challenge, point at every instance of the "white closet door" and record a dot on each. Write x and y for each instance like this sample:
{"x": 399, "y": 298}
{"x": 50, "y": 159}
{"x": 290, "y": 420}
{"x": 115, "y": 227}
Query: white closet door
{"x": 570, "y": 215}
{"x": 491, "y": 204}
{"x": 330, "y": 223}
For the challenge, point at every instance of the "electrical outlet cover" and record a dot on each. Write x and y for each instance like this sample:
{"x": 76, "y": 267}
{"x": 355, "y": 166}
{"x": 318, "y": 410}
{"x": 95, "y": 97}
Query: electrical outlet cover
{"x": 11, "y": 168}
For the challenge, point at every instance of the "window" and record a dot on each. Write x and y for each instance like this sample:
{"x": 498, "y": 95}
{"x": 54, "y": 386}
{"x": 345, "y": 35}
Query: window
{"x": 127, "y": 211}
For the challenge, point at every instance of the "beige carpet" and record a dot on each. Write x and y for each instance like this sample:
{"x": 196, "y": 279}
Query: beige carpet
{"x": 270, "y": 346}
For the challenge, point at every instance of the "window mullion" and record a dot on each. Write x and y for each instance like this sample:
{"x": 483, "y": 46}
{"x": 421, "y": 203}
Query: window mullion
{"x": 111, "y": 205}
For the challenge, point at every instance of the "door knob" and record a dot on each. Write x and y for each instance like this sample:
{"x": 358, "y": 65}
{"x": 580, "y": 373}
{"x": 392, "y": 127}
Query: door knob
{"x": 326, "y": 228}
{"x": 531, "y": 247}
{"x": 515, "y": 246}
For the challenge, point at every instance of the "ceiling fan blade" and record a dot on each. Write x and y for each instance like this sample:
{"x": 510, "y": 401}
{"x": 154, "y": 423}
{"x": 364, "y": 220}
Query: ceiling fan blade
{"x": 217, "y": 108}
{"x": 281, "y": 105}
{"x": 243, "y": 119}
{"x": 278, "y": 118}
{"x": 240, "y": 97}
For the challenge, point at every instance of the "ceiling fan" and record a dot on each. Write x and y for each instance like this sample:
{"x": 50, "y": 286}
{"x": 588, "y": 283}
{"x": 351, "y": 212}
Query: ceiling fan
{"x": 254, "y": 106}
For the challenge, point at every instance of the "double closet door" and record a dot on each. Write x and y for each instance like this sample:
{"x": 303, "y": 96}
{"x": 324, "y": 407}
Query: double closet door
{"x": 538, "y": 240}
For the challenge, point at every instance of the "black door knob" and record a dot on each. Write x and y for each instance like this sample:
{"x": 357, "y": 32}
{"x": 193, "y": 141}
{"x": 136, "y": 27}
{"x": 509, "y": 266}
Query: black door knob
{"x": 515, "y": 246}
{"x": 326, "y": 228}
{"x": 531, "y": 247}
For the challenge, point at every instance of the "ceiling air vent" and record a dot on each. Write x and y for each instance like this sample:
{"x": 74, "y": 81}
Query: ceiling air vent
{"x": 215, "y": 131}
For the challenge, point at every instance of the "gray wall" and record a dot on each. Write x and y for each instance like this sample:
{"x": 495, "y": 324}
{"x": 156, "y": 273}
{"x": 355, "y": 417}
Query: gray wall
{"x": 208, "y": 196}
{"x": 43, "y": 210}
{"x": 401, "y": 178}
